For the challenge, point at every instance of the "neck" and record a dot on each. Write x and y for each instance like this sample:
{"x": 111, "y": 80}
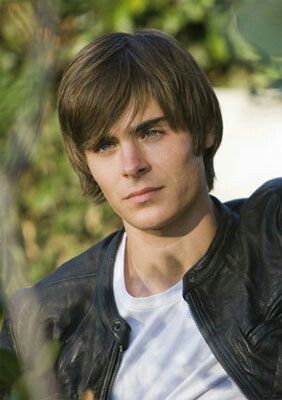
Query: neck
{"x": 156, "y": 260}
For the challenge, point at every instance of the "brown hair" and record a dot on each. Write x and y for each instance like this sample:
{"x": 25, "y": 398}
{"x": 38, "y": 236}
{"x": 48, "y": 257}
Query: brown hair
{"x": 120, "y": 68}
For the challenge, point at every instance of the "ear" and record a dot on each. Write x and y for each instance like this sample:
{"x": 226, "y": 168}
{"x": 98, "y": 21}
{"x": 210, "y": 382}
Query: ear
{"x": 209, "y": 141}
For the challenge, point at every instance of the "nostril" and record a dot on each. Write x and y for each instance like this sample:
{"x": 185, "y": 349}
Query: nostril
{"x": 135, "y": 170}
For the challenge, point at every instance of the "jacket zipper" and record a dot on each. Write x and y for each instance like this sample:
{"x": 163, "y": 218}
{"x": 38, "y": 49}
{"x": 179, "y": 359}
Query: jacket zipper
{"x": 203, "y": 329}
{"x": 114, "y": 367}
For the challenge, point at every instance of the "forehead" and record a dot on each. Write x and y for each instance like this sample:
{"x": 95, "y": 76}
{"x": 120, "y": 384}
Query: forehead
{"x": 134, "y": 117}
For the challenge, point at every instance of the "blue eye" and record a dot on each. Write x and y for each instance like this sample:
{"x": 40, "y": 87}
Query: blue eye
{"x": 152, "y": 133}
{"x": 104, "y": 147}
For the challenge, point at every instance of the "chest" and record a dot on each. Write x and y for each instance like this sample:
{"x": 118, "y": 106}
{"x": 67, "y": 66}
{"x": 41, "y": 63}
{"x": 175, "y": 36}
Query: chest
{"x": 166, "y": 345}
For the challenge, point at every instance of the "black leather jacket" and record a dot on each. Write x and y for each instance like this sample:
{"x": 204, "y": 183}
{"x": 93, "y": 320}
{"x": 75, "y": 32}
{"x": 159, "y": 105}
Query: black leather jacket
{"x": 234, "y": 292}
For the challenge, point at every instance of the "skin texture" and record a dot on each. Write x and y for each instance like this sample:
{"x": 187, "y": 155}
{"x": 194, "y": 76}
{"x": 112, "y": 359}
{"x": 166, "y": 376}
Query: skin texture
{"x": 173, "y": 222}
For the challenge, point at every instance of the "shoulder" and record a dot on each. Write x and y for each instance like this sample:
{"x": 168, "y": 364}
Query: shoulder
{"x": 70, "y": 277}
{"x": 257, "y": 244}
{"x": 83, "y": 266}
{"x": 263, "y": 209}
{"x": 266, "y": 201}
{"x": 257, "y": 241}
{"x": 269, "y": 194}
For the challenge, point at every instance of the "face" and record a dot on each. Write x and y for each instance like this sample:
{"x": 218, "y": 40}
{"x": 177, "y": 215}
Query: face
{"x": 148, "y": 172}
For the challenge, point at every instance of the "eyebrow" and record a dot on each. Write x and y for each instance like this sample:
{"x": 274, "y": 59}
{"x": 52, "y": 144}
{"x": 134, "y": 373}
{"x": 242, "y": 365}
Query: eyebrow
{"x": 143, "y": 126}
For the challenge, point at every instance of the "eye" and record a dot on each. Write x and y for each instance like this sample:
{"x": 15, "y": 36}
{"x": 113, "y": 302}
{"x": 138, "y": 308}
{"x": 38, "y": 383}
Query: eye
{"x": 104, "y": 146}
{"x": 152, "y": 134}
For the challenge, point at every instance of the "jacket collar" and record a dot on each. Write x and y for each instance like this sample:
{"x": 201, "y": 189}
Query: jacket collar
{"x": 227, "y": 221}
{"x": 105, "y": 293}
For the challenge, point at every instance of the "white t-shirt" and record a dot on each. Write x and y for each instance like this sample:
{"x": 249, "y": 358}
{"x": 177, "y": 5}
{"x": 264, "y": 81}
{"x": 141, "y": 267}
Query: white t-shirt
{"x": 167, "y": 357}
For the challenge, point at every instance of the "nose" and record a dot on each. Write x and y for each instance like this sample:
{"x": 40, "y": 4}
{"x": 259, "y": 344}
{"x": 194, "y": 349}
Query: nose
{"x": 133, "y": 160}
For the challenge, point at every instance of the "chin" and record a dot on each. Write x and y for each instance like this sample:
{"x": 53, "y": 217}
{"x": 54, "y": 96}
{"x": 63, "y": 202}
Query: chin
{"x": 151, "y": 221}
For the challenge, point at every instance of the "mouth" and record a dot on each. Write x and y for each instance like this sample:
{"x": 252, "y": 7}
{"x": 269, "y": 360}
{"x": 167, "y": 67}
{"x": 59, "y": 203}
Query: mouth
{"x": 144, "y": 194}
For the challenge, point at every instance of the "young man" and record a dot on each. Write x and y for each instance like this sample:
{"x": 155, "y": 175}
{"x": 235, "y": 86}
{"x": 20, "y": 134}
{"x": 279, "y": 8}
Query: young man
{"x": 185, "y": 302}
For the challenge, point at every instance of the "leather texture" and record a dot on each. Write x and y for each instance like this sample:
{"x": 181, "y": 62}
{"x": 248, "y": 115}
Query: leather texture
{"x": 234, "y": 293}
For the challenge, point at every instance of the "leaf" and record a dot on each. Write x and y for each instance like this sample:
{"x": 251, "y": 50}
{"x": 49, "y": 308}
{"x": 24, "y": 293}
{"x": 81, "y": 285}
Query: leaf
{"x": 10, "y": 369}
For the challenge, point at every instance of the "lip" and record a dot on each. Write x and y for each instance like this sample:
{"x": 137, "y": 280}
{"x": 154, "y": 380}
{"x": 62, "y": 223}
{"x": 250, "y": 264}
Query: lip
{"x": 143, "y": 194}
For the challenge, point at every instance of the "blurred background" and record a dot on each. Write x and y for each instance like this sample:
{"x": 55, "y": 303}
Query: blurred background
{"x": 43, "y": 218}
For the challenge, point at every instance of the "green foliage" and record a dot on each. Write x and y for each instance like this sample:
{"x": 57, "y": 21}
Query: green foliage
{"x": 10, "y": 369}
{"x": 50, "y": 220}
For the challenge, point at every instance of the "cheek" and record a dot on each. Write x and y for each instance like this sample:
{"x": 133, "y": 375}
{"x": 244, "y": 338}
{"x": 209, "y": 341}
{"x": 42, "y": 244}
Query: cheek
{"x": 98, "y": 173}
{"x": 104, "y": 181}
{"x": 189, "y": 176}
{"x": 188, "y": 165}
{"x": 108, "y": 189}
